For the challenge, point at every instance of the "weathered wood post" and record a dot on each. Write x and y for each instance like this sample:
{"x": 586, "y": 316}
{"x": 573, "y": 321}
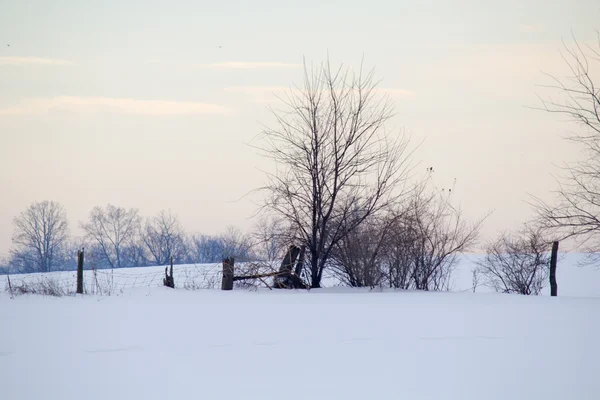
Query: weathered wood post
{"x": 80, "y": 271}
{"x": 554, "y": 256}
{"x": 228, "y": 271}
{"x": 168, "y": 281}
{"x": 282, "y": 280}
{"x": 300, "y": 262}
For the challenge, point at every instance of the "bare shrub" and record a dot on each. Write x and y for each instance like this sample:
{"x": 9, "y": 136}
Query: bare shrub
{"x": 517, "y": 263}
{"x": 358, "y": 258}
{"x": 424, "y": 239}
{"x": 45, "y": 286}
{"x": 414, "y": 245}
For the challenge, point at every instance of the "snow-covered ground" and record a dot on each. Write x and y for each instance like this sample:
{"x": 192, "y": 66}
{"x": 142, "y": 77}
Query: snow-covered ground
{"x": 152, "y": 342}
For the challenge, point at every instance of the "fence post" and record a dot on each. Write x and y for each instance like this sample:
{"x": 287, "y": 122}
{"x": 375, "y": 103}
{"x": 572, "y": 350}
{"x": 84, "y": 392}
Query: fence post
{"x": 228, "y": 271}
{"x": 553, "y": 284}
{"x": 80, "y": 271}
{"x": 168, "y": 279}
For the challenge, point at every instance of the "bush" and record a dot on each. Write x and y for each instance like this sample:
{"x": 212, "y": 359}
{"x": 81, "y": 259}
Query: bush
{"x": 517, "y": 263}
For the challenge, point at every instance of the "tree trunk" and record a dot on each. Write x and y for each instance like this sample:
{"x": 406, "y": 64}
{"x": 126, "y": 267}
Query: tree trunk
{"x": 315, "y": 283}
{"x": 553, "y": 284}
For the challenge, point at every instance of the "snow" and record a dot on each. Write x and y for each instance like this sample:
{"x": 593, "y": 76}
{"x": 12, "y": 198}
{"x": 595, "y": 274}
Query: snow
{"x": 152, "y": 342}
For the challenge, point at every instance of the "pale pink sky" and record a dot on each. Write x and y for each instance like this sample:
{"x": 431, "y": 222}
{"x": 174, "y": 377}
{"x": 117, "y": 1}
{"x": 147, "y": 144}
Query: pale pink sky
{"x": 150, "y": 104}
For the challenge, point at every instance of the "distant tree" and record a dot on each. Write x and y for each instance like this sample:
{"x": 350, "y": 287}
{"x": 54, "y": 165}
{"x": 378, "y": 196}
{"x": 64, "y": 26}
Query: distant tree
{"x": 40, "y": 236}
{"x": 234, "y": 243}
{"x": 114, "y": 230}
{"x": 204, "y": 249}
{"x": 4, "y": 264}
{"x": 270, "y": 238}
{"x": 134, "y": 254}
{"x": 332, "y": 154}
{"x": 576, "y": 212}
{"x": 517, "y": 263}
{"x": 164, "y": 238}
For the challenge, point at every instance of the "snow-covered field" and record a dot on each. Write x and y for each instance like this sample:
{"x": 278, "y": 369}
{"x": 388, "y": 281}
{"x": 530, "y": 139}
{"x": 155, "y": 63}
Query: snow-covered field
{"x": 151, "y": 342}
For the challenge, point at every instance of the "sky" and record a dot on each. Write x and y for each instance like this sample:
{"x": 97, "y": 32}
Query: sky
{"x": 153, "y": 104}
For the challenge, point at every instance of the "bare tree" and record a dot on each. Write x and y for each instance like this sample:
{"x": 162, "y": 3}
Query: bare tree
{"x": 113, "y": 229}
{"x": 427, "y": 235}
{"x": 40, "y": 235}
{"x": 234, "y": 243}
{"x": 517, "y": 263}
{"x": 332, "y": 154}
{"x": 577, "y": 209}
{"x": 164, "y": 238}
{"x": 269, "y": 238}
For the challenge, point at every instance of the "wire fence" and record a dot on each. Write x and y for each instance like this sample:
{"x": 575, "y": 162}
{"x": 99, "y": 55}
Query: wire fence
{"x": 114, "y": 281}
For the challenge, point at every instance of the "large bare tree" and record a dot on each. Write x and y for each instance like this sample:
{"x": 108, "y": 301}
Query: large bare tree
{"x": 333, "y": 157}
{"x": 576, "y": 212}
{"x": 40, "y": 235}
{"x": 113, "y": 229}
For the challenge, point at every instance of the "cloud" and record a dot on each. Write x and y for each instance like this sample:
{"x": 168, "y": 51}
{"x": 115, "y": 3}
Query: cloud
{"x": 16, "y": 61}
{"x": 249, "y": 65}
{"x": 531, "y": 28}
{"x": 75, "y": 104}
{"x": 258, "y": 94}
{"x": 255, "y": 89}
{"x": 266, "y": 94}
{"x": 397, "y": 92}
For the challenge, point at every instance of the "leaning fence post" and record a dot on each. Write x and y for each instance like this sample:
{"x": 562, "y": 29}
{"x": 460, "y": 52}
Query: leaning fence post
{"x": 228, "y": 270}
{"x": 553, "y": 257}
{"x": 80, "y": 271}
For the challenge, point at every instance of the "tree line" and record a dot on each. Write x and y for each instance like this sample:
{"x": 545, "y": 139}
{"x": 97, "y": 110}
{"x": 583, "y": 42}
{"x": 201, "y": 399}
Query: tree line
{"x": 116, "y": 237}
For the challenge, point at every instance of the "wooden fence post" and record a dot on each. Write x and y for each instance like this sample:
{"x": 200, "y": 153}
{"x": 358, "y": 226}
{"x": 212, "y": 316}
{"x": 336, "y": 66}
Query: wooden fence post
{"x": 80, "y": 271}
{"x": 168, "y": 280}
{"x": 554, "y": 256}
{"x": 228, "y": 272}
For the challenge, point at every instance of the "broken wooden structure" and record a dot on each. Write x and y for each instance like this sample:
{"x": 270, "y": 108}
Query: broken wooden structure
{"x": 168, "y": 280}
{"x": 287, "y": 277}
